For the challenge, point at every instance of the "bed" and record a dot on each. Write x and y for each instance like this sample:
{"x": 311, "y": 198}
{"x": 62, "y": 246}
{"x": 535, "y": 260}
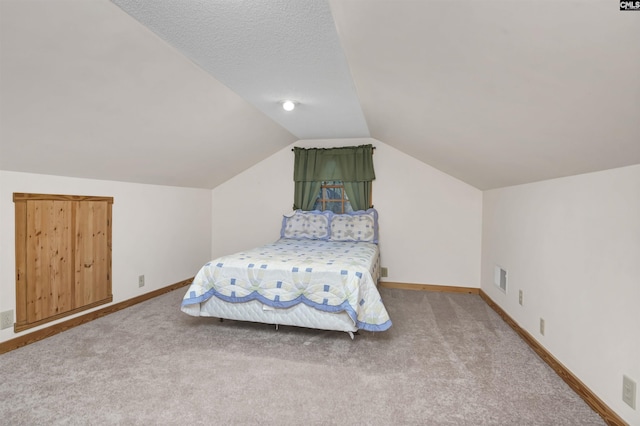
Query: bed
{"x": 322, "y": 273}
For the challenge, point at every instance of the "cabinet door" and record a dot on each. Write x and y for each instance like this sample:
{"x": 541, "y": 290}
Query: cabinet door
{"x": 49, "y": 259}
{"x": 92, "y": 245}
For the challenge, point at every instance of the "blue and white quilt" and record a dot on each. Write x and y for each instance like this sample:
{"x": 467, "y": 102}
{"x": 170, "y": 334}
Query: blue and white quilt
{"x": 330, "y": 276}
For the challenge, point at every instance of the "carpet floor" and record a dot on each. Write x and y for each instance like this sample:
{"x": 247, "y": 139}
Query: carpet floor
{"x": 448, "y": 359}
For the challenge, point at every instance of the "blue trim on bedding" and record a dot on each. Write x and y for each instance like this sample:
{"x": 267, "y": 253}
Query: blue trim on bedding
{"x": 373, "y": 327}
{"x": 344, "y": 306}
{"x": 290, "y": 262}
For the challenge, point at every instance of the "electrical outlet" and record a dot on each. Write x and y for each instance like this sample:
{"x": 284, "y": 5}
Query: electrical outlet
{"x": 542, "y": 326}
{"x": 384, "y": 271}
{"x": 141, "y": 281}
{"x": 500, "y": 278}
{"x": 629, "y": 391}
{"x": 6, "y": 319}
{"x": 520, "y": 297}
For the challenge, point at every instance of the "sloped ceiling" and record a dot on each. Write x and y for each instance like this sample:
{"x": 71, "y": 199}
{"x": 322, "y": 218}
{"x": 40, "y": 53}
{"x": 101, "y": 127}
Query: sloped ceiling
{"x": 86, "y": 91}
{"x": 498, "y": 92}
{"x": 187, "y": 92}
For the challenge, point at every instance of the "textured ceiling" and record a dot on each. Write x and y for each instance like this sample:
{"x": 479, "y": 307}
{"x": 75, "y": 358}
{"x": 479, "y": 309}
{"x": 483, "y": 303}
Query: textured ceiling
{"x": 266, "y": 51}
{"x": 186, "y": 92}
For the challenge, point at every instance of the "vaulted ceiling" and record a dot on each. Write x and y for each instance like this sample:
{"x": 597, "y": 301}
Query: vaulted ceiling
{"x": 188, "y": 92}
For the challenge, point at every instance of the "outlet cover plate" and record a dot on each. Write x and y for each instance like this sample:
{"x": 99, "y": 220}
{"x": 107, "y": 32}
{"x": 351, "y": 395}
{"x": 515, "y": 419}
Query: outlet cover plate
{"x": 629, "y": 391}
{"x": 500, "y": 278}
{"x": 141, "y": 281}
{"x": 6, "y": 319}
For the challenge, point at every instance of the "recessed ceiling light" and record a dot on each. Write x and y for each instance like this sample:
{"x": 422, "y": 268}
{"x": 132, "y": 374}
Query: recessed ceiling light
{"x": 288, "y": 105}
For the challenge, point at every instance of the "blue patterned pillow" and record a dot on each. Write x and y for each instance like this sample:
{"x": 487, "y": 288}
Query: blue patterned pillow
{"x": 361, "y": 225}
{"x": 306, "y": 225}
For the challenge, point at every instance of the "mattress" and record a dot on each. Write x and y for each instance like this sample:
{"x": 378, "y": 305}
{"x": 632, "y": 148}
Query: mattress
{"x": 310, "y": 283}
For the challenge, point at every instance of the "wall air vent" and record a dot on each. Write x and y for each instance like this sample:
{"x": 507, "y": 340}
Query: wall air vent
{"x": 500, "y": 278}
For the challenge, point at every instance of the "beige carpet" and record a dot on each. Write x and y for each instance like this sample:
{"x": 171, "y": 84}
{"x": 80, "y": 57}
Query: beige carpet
{"x": 448, "y": 359}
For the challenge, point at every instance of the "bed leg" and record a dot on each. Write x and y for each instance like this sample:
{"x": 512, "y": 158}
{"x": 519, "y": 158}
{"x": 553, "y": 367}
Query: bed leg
{"x": 221, "y": 319}
{"x": 276, "y": 327}
{"x": 351, "y": 335}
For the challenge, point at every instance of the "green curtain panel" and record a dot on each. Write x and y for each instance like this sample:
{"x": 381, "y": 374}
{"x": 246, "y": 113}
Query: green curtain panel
{"x": 352, "y": 165}
{"x": 359, "y": 194}
{"x": 305, "y": 194}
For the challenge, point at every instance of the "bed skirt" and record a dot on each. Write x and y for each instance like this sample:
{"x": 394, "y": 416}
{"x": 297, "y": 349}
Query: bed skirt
{"x": 299, "y": 315}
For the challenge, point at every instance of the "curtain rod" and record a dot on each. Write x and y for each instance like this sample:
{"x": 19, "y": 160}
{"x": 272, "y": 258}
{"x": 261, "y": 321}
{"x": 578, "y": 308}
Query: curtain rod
{"x": 373, "y": 148}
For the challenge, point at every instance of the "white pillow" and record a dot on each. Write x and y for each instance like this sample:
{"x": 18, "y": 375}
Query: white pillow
{"x": 309, "y": 225}
{"x": 361, "y": 225}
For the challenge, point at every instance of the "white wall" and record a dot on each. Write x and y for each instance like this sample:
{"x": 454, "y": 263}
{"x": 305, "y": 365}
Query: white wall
{"x": 573, "y": 246}
{"x": 430, "y": 223}
{"x": 161, "y": 232}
